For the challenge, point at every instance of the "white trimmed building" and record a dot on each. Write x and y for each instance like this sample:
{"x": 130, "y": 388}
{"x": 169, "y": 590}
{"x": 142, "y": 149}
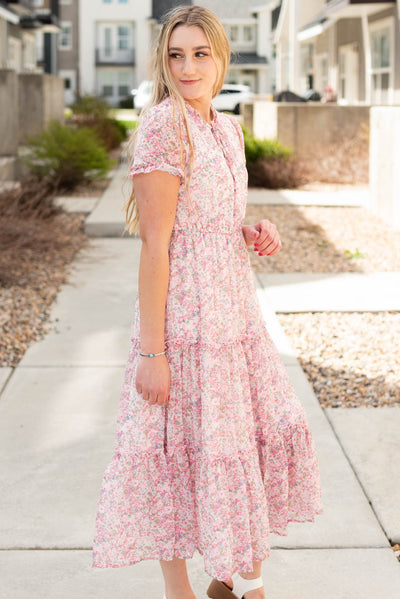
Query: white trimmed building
{"x": 114, "y": 41}
{"x": 351, "y": 46}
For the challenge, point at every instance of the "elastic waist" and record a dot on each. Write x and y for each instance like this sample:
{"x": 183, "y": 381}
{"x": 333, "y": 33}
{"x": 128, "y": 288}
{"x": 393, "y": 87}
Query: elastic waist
{"x": 216, "y": 229}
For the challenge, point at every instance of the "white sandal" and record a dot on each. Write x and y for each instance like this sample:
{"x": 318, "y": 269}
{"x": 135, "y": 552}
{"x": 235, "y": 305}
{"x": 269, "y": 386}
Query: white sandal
{"x": 220, "y": 590}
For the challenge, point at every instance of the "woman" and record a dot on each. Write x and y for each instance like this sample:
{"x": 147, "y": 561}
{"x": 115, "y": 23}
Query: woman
{"x": 213, "y": 451}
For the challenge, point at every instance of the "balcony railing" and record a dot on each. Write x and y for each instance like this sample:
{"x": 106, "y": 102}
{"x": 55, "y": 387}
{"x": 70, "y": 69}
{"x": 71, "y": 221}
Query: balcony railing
{"x": 345, "y": 2}
{"x": 115, "y": 56}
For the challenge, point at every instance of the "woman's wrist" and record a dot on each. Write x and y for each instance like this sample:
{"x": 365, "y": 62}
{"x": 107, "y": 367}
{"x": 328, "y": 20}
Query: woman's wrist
{"x": 152, "y": 355}
{"x": 152, "y": 344}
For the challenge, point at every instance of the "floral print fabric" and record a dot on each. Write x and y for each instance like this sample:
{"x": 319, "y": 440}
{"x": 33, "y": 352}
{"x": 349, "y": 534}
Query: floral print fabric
{"x": 229, "y": 458}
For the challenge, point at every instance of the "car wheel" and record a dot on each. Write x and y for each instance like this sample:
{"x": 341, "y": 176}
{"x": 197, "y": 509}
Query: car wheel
{"x": 236, "y": 110}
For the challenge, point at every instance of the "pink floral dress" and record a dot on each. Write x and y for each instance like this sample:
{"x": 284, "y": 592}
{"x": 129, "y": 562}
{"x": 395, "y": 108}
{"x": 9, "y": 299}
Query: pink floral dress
{"x": 230, "y": 457}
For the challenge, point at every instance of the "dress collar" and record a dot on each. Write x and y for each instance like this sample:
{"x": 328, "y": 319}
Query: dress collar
{"x": 197, "y": 115}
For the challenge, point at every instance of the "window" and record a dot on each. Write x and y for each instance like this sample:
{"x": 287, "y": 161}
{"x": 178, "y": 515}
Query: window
{"x": 234, "y": 33}
{"x": 107, "y": 1}
{"x": 240, "y": 33}
{"x": 381, "y": 62}
{"x": 115, "y": 84}
{"x": 248, "y": 33}
{"x": 123, "y": 83}
{"x": 65, "y": 36}
{"x": 38, "y": 2}
{"x": 123, "y": 37}
{"x": 67, "y": 83}
{"x": 123, "y": 1}
{"x": 380, "y": 47}
{"x": 107, "y": 84}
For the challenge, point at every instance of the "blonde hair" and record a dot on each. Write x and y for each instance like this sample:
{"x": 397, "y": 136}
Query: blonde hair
{"x": 163, "y": 84}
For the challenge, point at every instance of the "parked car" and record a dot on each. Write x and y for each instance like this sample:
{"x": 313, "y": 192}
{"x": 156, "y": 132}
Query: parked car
{"x": 141, "y": 95}
{"x": 311, "y": 95}
{"x": 287, "y": 96}
{"x": 229, "y": 98}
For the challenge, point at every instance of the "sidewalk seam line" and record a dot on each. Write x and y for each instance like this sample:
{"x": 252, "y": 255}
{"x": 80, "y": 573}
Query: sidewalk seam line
{"x": 356, "y": 475}
{"x": 6, "y": 382}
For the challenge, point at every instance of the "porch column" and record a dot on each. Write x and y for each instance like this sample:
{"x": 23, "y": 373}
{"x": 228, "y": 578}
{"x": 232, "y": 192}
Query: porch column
{"x": 367, "y": 56}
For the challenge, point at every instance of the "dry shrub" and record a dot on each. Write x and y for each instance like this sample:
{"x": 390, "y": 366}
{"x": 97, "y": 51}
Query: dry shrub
{"x": 277, "y": 173}
{"x": 33, "y": 231}
{"x": 38, "y": 241}
{"x": 32, "y": 198}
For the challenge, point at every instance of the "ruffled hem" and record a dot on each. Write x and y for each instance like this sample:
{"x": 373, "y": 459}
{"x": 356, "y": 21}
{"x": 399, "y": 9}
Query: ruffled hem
{"x": 290, "y": 476}
{"x": 157, "y": 506}
{"x": 227, "y": 461}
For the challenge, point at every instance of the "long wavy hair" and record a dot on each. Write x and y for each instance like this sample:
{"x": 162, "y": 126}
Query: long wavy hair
{"x": 163, "y": 86}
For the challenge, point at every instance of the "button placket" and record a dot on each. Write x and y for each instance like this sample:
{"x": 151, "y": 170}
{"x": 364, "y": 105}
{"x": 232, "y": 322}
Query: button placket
{"x": 225, "y": 151}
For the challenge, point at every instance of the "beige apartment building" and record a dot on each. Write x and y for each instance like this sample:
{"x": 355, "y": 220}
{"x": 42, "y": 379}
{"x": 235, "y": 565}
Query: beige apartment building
{"x": 351, "y": 46}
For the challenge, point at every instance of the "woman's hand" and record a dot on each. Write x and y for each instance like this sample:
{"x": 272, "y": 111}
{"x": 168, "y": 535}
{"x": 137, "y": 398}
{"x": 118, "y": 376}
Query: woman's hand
{"x": 264, "y": 236}
{"x": 153, "y": 379}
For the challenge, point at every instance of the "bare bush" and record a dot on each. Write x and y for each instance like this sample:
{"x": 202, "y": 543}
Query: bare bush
{"x": 277, "y": 173}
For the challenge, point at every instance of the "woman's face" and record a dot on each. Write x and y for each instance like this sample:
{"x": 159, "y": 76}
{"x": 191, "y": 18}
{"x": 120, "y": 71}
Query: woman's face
{"x": 192, "y": 66}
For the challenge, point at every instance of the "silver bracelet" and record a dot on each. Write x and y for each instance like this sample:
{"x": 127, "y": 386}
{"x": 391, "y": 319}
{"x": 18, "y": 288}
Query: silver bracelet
{"x": 152, "y": 355}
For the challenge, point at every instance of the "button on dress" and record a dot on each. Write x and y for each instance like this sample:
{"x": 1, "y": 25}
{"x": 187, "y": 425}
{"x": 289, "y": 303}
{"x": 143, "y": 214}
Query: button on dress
{"x": 230, "y": 457}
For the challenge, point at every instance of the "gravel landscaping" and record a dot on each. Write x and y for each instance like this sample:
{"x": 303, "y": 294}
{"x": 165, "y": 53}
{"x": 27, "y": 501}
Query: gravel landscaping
{"x": 351, "y": 359}
{"x": 327, "y": 240}
{"x": 35, "y": 256}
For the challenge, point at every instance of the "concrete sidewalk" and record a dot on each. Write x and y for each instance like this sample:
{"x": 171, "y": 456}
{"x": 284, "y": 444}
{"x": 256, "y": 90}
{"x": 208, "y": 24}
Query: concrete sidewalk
{"x": 57, "y": 422}
{"x": 107, "y": 218}
{"x": 332, "y": 292}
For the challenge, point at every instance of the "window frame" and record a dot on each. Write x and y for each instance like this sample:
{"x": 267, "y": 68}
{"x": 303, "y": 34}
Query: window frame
{"x": 373, "y": 29}
{"x": 241, "y": 24}
{"x": 60, "y": 45}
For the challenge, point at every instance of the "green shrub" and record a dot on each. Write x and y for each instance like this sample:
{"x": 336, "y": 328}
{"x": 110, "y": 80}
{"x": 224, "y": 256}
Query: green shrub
{"x": 269, "y": 149}
{"x": 68, "y": 156}
{"x": 91, "y": 106}
{"x": 110, "y": 131}
{"x": 126, "y": 102}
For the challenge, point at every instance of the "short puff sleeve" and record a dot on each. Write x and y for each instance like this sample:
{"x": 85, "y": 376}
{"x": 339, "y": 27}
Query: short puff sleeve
{"x": 157, "y": 144}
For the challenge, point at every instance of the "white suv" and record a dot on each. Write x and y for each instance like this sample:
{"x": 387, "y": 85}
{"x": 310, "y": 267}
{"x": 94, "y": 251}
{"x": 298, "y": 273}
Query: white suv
{"x": 229, "y": 98}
